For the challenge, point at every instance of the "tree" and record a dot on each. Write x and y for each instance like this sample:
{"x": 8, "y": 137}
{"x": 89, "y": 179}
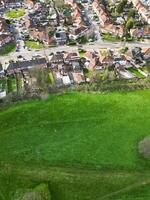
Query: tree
{"x": 125, "y": 2}
{"x": 129, "y": 24}
{"x": 82, "y": 40}
{"x": 9, "y": 85}
{"x": 42, "y": 78}
{"x": 124, "y": 50}
{"x": 104, "y": 2}
{"x": 1, "y": 68}
{"x": 131, "y": 13}
{"x": 121, "y": 6}
{"x": 51, "y": 33}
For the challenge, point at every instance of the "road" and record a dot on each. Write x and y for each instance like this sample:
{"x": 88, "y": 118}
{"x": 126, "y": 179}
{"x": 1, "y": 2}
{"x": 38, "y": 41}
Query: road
{"x": 94, "y": 46}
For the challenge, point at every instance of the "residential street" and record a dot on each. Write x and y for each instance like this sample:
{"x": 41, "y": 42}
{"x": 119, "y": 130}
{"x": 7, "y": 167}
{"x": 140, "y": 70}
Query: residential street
{"x": 91, "y": 46}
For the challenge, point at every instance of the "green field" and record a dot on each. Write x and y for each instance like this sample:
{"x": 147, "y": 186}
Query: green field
{"x": 15, "y": 13}
{"x": 85, "y": 146}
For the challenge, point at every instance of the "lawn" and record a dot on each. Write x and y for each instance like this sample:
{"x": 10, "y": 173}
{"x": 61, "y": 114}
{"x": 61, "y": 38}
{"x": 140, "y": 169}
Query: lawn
{"x": 51, "y": 79}
{"x": 136, "y": 72}
{"x": 15, "y": 13}
{"x": 33, "y": 44}
{"x": 111, "y": 38}
{"x": 3, "y": 85}
{"x": 82, "y": 53}
{"x": 8, "y": 48}
{"x": 83, "y": 145}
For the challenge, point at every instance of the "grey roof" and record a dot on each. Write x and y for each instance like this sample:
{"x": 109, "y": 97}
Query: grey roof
{"x": 27, "y": 64}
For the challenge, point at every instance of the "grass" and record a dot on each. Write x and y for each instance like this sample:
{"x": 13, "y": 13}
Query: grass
{"x": 51, "y": 78}
{"x": 33, "y": 44}
{"x": 91, "y": 138}
{"x": 136, "y": 72}
{"x": 14, "y": 87}
{"x": 8, "y": 48}
{"x": 3, "y": 85}
{"x": 81, "y": 54}
{"x": 15, "y": 13}
{"x": 111, "y": 38}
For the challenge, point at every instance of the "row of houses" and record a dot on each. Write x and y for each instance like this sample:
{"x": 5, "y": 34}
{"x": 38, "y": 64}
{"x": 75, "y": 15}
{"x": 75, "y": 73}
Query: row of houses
{"x": 140, "y": 32}
{"x": 79, "y": 22}
{"x": 5, "y": 35}
{"x": 36, "y": 23}
{"x": 42, "y": 19}
{"x": 41, "y": 22}
{"x": 65, "y": 61}
{"x": 69, "y": 68}
{"x": 106, "y": 24}
{"x": 66, "y": 68}
{"x": 142, "y": 10}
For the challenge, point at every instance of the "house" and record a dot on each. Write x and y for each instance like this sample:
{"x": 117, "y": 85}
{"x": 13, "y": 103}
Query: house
{"x": 5, "y": 39}
{"x": 142, "y": 32}
{"x": 122, "y": 72}
{"x": 40, "y": 35}
{"x": 76, "y": 66}
{"x": 29, "y": 4}
{"x": 101, "y": 12}
{"x": 92, "y": 60}
{"x": 57, "y": 58}
{"x": 106, "y": 25}
{"x": 66, "y": 68}
{"x": 5, "y": 36}
{"x": 89, "y": 55}
{"x": 60, "y": 36}
{"x": 39, "y": 17}
{"x": 106, "y": 59}
{"x": 117, "y": 30}
{"x": 3, "y": 25}
{"x": 92, "y": 64}
{"x": 78, "y": 77}
{"x": 69, "y": 2}
{"x": 70, "y": 57}
{"x": 78, "y": 32}
{"x": 146, "y": 53}
{"x": 12, "y": 3}
{"x": 76, "y": 15}
{"x": 142, "y": 10}
{"x": 58, "y": 78}
{"x": 27, "y": 64}
{"x": 128, "y": 55}
{"x": 66, "y": 80}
